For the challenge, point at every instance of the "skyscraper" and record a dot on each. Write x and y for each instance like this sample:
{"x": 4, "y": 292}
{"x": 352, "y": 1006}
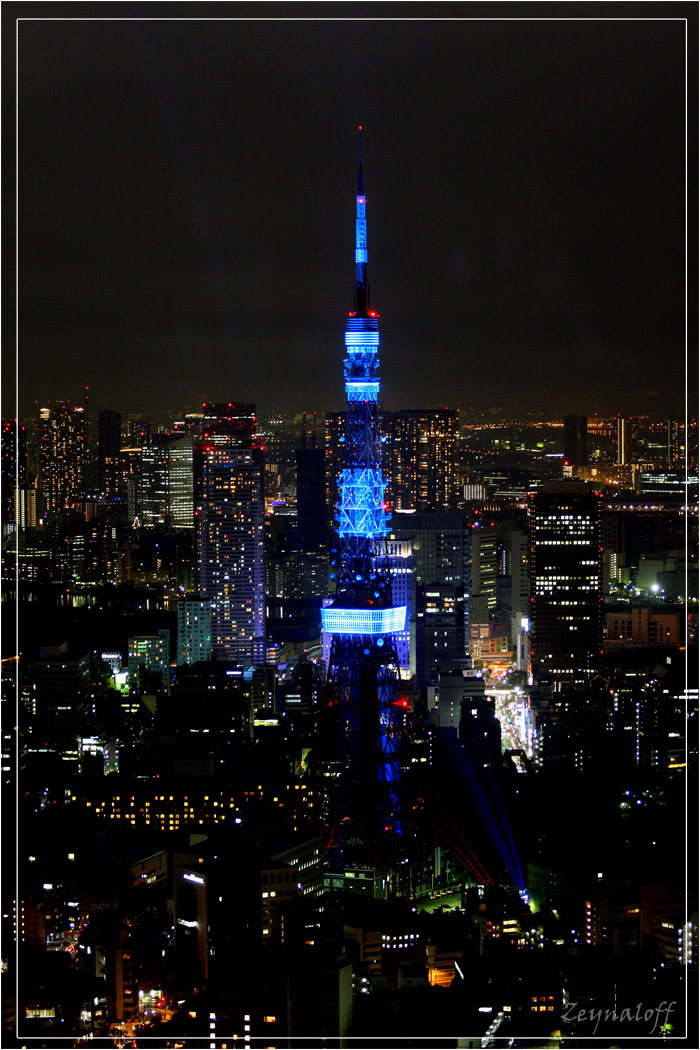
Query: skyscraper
{"x": 424, "y": 462}
{"x": 154, "y": 480}
{"x": 311, "y": 487}
{"x": 363, "y": 675}
{"x": 484, "y": 572}
{"x": 622, "y": 436}
{"x": 440, "y": 610}
{"x": 575, "y": 441}
{"x": 566, "y": 572}
{"x": 109, "y": 442}
{"x": 229, "y": 525}
{"x": 167, "y": 483}
{"x": 181, "y": 482}
{"x": 675, "y": 435}
{"x": 14, "y": 469}
{"x": 61, "y": 457}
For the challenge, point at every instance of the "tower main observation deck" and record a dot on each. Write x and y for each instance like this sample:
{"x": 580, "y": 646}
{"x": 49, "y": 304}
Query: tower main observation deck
{"x": 363, "y": 688}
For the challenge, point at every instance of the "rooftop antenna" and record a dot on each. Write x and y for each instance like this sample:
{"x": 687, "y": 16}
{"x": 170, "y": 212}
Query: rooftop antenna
{"x": 361, "y": 284}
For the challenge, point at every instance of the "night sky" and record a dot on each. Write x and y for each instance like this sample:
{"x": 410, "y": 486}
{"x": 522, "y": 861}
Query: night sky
{"x": 187, "y": 195}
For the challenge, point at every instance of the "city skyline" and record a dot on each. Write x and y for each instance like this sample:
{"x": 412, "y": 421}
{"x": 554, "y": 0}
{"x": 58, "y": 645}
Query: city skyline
{"x": 181, "y": 236}
{"x": 377, "y": 722}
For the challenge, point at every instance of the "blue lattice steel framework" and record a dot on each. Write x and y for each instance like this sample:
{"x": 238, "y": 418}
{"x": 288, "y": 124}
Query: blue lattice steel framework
{"x": 363, "y": 673}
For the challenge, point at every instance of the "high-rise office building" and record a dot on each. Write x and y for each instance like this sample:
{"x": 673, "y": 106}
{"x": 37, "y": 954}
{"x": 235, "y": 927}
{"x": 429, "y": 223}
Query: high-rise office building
{"x": 423, "y": 460}
{"x": 675, "y": 436}
{"x": 193, "y": 630}
{"x": 398, "y": 562}
{"x": 335, "y": 439}
{"x": 109, "y": 442}
{"x": 14, "y": 469}
{"x": 181, "y": 482}
{"x": 129, "y": 481}
{"x": 298, "y": 565}
{"x": 485, "y": 549}
{"x": 167, "y": 481}
{"x": 566, "y": 570}
{"x": 61, "y": 686}
{"x": 311, "y": 492}
{"x": 154, "y": 480}
{"x": 229, "y": 526}
{"x": 622, "y": 440}
{"x": 575, "y": 441}
{"x": 439, "y": 608}
{"x": 61, "y": 457}
{"x": 519, "y": 573}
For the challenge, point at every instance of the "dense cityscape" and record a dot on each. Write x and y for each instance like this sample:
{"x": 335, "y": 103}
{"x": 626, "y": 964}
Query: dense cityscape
{"x": 499, "y": 832}
{"x": 344, "y": 727}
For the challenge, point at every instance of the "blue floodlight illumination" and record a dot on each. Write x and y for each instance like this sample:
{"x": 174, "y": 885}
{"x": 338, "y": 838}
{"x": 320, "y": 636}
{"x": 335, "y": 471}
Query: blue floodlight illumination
{"x": 362, "y": 510}
{"x": 362, "y": 390}
{"x": 360, "y": 339}
{"x": 362, "y": 639}
{"x": 363, "y": 621}
{"x": 361, "y": 232}
{"x": 362, "y": 324}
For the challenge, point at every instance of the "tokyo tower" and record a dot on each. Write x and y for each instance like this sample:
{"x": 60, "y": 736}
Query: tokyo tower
{"x": 364, "y": 707}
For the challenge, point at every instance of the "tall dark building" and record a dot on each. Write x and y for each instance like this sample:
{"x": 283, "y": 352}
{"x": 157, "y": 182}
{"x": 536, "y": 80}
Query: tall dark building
{"x": 14, "y": 468}
{"x": 576, "y": 441}
{"x": 483, "y": 592}
{"x": 109, "y": 442}
{"x": 363, "y": 708}
{"x": 566, "y": 572}
{"x": 311, "y": 488}
{"x": 440, "y": 603}
{"x": 675, "y": 434}
{"x": 229, "y": 502}
{"x": 302, "y": 551}
{"x": 622, "y": 440}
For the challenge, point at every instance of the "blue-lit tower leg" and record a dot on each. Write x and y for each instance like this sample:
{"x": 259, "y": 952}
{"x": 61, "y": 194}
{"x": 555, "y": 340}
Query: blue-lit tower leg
{"x": 363, "y": 690}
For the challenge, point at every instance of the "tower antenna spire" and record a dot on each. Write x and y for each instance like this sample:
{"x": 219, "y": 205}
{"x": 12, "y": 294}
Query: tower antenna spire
{"x": 360, "y": 176}
{"x": 361, "y": 284}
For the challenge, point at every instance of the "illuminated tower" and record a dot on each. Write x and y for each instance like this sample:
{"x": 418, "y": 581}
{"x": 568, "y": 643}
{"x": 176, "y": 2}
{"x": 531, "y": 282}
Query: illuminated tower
{"x": 364, "y": 697}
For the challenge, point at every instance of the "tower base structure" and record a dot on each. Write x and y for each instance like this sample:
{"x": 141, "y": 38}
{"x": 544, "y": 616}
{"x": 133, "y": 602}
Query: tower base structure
{"x": 363, "y": 719}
